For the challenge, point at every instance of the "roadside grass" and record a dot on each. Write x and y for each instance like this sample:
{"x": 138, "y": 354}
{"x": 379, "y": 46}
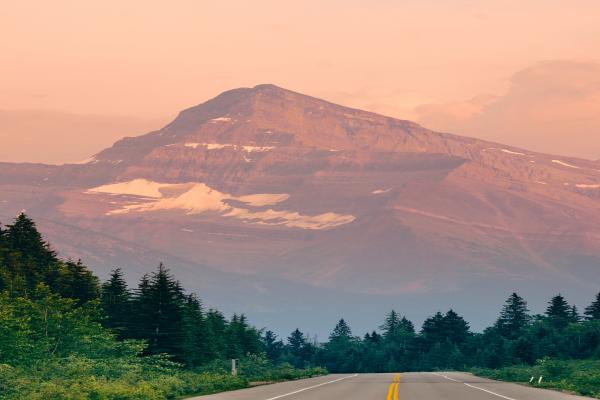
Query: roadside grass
{"x": 147, "y": 378}
{"x": 575, "y": 376}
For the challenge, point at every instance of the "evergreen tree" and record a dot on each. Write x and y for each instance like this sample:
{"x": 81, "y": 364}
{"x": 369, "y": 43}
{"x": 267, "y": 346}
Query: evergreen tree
{"x": 242, "y": 339}
{"x": 391, "y": 324}
{"x": 27, "y": 257}
{"x": 251, "y": 337}
{"x": 75, "y": 281}
{"x": 195, "y": 345}
{"x": 273, "y": 347}
{"x": 455, "y": 327}
{"x": 5, "y": 276}
{"x": 160, "y": 309}
{"x": 23, "y": 235}
{"x": 341, "y": 332}
{"x": 296, "y": 342}
{"x": 341, "y": 353}
{"x": 592, "y": 312}
{"x": 116, "y": 304}
{"x": 298, "y": 348}
{"x": 558, "y": 312}
{"x": 216, "y": 327}
{"x": 433, "y": 330}
{"x": 373, "y": 337}
{"x": 574, "y": 316}
{"x": 406, "y": 326}
{"x": 234, "y": 338}
{"x": 514, "y": 317}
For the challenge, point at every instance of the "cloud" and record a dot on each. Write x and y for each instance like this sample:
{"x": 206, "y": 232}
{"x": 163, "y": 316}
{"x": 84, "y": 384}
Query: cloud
{"x": 552, "y": 106}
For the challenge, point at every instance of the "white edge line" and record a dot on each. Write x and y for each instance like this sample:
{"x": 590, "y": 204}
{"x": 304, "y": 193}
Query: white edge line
{"x": 446, "y": 377}
{"x": 311, "y": 387}
{"x": 474, "y": 387}
{"x": 489, "y": 391}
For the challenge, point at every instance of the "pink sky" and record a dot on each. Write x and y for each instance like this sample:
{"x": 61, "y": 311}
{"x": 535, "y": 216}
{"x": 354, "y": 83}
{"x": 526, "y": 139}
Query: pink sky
{"x": 77, "y": 75}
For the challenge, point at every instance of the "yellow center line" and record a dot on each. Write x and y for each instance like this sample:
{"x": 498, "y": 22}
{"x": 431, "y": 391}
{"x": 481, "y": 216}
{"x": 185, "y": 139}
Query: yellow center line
{"x": 393, "y": 389}
{"x": 390, "y": 392}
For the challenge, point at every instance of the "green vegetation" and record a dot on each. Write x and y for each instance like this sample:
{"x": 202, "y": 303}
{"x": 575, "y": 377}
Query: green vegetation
{"x": 445, "y": 341}
{"x": 63, "y": 335}
{"x": 574, "y": 376}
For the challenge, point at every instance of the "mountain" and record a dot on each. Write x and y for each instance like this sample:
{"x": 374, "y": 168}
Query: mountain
{"x": 275, "y": 194}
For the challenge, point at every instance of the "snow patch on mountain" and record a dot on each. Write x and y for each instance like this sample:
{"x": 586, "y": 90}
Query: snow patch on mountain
{"x": 209, "y": 146}
{"x": 219, "y": 146}
{"x": 251, "y": 149}
{"x": 136, "y": 187}
{"x": 516, "y": 153}
{"x": 90, "y": 160}
{"x": 197, "y": 198}
{"x": 264, "y": 199}
{"x": 565, "y": 164}
{"x": 220, "y": 119}
{"x": 292, "y": 219}
{"x": 381, "y": 191}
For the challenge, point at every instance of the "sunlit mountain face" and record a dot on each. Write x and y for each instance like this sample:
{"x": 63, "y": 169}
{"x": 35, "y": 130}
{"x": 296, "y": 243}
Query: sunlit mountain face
{"x": 263, "y": 199}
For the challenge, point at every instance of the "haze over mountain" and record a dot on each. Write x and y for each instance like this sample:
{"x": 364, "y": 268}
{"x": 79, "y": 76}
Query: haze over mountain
{"x": 271, "y": 202}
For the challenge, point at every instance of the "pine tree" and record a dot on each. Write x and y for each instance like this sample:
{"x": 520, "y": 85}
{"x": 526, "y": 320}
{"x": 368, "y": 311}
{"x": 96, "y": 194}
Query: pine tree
{"x": 251, "y": 338}
{"x": 373, "y": 337}
{"x": 574, "y": 316}
{"x": 513, "y": 317}
{"x": 298, "y": 348}
{"x": 23, "y": 235}
{"x": 558, "y": 312}
{"x": 242, "y": 338}
{"x": 296, "y": 342}
{"x": 592, "y": 312}
{"x": 406, "y": 326}
{"x": 456, "y": 328}
{"x": 195, "y": 343}
{"x": 449, "y": 327}
{"x": 77, "y": 282}
{"x": 273, "y": 347}
{"x": 160, "y": 309}
{"x": 216, "y": 327}
{"x": 391, "y": 324}
{"x": 116, "y": 303}
{"x": 31, "y": 261}
{"x": 433, "y": 330}
{"x": 341, "y": 332}
{"x": 5, "y": 275}
{"x": 341, "y": 352}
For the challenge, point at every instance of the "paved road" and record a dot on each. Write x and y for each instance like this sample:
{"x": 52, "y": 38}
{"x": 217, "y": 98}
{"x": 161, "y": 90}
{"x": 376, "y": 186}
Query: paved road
{"x": 406, "y": 386}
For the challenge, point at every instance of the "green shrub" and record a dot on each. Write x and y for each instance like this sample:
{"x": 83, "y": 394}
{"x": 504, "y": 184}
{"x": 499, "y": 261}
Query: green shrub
{"x": 577, "y": 376}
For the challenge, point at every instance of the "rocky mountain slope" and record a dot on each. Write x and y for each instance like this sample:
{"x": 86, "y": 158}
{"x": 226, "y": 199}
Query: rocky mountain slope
{"x": 269, "y": 184}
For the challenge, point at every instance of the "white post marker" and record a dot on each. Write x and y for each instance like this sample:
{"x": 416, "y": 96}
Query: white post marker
{"x": 532, "y": 378}
{"x": 233, "y": 367}
{"x": 540, "y": 380}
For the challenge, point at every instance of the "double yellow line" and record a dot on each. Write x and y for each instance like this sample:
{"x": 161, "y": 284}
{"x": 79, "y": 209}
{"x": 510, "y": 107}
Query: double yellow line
{"x": 393, "y": 389}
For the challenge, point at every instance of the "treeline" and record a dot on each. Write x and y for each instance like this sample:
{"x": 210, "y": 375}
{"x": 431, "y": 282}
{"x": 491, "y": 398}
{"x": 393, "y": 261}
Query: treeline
{"x": 445, "y": 341}
{"x": 162, "y": 319}
{"x": 64, "y": 334}
{"x": 158, "y": 312}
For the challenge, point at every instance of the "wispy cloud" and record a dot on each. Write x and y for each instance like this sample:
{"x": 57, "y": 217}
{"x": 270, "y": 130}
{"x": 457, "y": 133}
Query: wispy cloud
{"x": 552, "y": 106}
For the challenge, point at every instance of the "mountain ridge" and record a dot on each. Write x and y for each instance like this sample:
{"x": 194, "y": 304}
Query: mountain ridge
{"x": 268, "y": 182}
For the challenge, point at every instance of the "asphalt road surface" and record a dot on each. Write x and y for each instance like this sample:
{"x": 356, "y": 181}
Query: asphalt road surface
{"x": 405, "y": 386}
